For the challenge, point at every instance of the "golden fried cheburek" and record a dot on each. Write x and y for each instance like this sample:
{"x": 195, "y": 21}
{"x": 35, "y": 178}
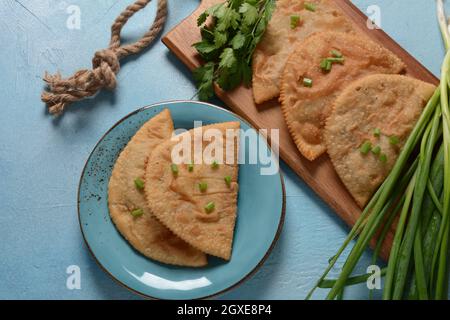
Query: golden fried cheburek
{"x": 306, "y": 108}
{"x": 144, "y": 232}
{"x": 198, "y": 202}
{"x": 280, "y": 38}
{"x": 370, "y": 123}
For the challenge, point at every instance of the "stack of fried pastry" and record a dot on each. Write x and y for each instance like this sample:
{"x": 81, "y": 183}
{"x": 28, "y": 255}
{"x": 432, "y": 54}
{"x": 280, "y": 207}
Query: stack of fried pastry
{"x": 340, "y": 92}
{"x": 176, "y": 213}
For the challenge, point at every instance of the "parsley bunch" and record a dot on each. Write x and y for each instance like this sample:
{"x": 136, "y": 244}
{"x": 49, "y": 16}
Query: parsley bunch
{"x": 228, "y": 42}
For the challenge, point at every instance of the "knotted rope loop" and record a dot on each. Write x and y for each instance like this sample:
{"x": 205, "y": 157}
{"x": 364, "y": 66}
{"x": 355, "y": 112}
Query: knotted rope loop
{"x": 105, "y": 64}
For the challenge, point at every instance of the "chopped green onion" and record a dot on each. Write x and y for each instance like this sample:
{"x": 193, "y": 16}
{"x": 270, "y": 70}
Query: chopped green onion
{"x": 376, "y": 150}
{"x": 365, "y": 147}
{"x": 336, "y": 60}
{"x": 336, "y": 54}
{"x": 190, "y": 167}
{"x": 139, "y": 183}
{"x": 210, "y": 207}
{"x": 228, "y": 180}
{"x": 377, "y": 133}
{"x": 310, "y": 6}
{"x": 215, "y": 164}
{"x": 394, "y": 140}
{"x": 174, "y": 168}
{"x": 203, "y": 186}
{"x": 383, "y": 158}
{"x": 326, "y": 65}
{"x": 295, "y": 21}
{"x": 137, "y": 212}
{"x": 307, "y": 82}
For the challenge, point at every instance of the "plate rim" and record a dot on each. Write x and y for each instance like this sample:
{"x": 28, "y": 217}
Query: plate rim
{"x": 218, "y": 293}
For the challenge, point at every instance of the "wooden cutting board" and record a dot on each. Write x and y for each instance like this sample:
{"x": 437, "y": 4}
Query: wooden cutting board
{"x": 320, "y": 174}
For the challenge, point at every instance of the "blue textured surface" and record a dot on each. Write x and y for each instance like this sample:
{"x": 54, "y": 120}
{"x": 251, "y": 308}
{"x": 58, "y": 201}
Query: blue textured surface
{"x": 260, "y": 209}
{"x": 41, "y": 158}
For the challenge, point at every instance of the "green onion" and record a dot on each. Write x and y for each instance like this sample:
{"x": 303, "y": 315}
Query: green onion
{"x": 307, "y": 82}
{"x": 174, "y": 169}
{"x": 374, "y": 213}
{"x": 377, "y": 133}
{"x": 394, "y": 140}
{"x": 415, "y": 200}
{"x": 412, "y": 235}
{"x": 203, "y": 186}
{"x": 431, "y": 222}
{"x": 328, "y": 284}
{"x": 365, "y": 147}
{"x": 327, "y": 63}
{"x": 210, "y": 207}
{"x": 310, "y": 6}
{"x": 437, "y": 181}
{"x": 215, "y": 164}
{"x": 376, "y": 150}
{"x": 336, "y": 54}
{"x": 440, "y": 256}
{"x": 336, "y": 60}
{"x": 295, "y": 21}
{"x": 139, "y": 183}
{"x": 323, "y": 64}
{"x": 396, "y": 245}
{"x": 228, "y": 180}
{"x": 388, "y": 225}
{"x": 137, "y": 212}
{"x": 434, "y": 198}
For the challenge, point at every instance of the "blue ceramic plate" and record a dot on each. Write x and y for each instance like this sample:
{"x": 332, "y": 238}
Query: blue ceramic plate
{"x": 260, "y": 214}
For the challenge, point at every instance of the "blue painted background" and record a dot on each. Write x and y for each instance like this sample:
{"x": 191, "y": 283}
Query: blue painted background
{"x": 41, "y": 158}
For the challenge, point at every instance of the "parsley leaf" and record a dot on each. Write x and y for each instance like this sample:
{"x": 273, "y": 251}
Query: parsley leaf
{"x": 227, "y": 17}
{"x": 238, "y": 41}
{"x": 227, "y": 59}
{"x": 204, "y": 47}
{"x": 202, "y": 18}
{"x": 204, "y": 76}
{"x": 220, "y": 39}
{"x": 250, "y": 13}
{"x": 229, "y": 39}
{"x": 212, "y": 11}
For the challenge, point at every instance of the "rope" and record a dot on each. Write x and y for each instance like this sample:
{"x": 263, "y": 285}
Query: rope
{"x": 105, "y": 64}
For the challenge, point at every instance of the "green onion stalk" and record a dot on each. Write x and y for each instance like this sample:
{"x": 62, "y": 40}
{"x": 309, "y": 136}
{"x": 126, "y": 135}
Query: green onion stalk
{"x": 414, "y": 200}
{"x": 440, "y": 256}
